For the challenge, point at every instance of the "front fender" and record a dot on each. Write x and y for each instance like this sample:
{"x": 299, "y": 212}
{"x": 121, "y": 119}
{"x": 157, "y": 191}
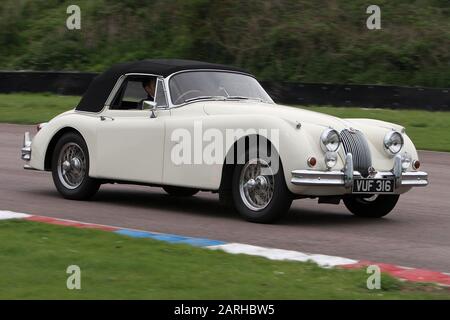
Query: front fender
{"x": 72, "y": 120}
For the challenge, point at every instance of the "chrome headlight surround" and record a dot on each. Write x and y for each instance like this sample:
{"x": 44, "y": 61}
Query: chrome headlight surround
{"x": 330, "y": 140}
{"x": 393, "y": 142}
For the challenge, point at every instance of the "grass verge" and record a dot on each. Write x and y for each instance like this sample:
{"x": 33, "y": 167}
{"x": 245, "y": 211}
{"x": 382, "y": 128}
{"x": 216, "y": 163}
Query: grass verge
{"x": 34, "y": 258}
{"x": 33, "y": 108}
{"x": 429, "y": 130}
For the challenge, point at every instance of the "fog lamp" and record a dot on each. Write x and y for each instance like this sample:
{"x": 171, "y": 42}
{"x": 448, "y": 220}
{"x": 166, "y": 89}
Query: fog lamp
{"x": 406, "y": 161}
{"x": 330, "y": 159}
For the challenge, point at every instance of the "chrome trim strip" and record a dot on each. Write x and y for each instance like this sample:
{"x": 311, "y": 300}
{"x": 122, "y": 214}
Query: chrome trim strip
{"x": 113, "y": 92}
{"x": 163, "y": 87}
{"x": 28, "y": 167}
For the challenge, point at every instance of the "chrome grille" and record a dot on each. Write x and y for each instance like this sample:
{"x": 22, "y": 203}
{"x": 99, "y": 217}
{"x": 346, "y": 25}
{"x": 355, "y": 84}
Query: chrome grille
{"x": 355, "y": 143}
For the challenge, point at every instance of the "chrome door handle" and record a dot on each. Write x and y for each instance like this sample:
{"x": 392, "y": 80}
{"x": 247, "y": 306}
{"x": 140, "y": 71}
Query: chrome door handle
{"x": 103, "y": 118}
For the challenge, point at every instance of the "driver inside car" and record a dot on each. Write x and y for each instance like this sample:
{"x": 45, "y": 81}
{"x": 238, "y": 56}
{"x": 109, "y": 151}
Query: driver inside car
{"x": 149, "y": 86}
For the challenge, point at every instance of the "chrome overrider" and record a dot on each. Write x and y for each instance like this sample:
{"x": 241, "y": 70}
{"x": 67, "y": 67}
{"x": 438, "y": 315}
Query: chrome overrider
{"x": 346, "y": 177}
{"x": 26, "y": 150}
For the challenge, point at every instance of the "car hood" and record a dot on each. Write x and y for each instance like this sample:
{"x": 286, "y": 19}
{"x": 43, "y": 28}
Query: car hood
{"x": 294, "y": 115}
{"x": 290, "y": 114}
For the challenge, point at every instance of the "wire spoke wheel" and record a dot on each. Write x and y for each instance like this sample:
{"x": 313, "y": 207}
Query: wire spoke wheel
{"x": 256, "y": 184}
{"x": 71, "y": 165}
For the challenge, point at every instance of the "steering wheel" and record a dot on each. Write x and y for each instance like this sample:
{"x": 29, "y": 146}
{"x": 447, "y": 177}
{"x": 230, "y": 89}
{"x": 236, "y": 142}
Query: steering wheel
{"x": 185, "y": 94}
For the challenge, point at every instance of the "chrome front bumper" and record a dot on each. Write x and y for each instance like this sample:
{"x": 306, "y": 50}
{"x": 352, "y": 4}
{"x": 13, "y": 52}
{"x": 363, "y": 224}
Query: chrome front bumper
{"x": 26, "y": 148}
{"x": 26, "y": 151}
{"x": 346, "y": 177}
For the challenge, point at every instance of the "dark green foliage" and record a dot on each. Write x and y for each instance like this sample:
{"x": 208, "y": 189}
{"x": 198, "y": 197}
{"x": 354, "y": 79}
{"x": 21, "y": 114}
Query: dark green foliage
{"x": 295, "y": 40}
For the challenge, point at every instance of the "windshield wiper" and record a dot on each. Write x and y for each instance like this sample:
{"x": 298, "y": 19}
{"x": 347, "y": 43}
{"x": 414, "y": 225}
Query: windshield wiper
{"x": 205, "y": 98}
{"x": 243, "y": 98}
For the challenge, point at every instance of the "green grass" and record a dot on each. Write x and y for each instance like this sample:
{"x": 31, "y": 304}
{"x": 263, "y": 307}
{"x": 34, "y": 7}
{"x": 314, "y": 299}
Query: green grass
{"x": 32, "y": 108}
{"x": 34, "y": 258}
{"x": 428, "y": 130}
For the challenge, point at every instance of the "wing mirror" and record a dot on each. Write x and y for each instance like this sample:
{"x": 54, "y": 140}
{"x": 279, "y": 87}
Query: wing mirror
{"x": 150, "y": 105}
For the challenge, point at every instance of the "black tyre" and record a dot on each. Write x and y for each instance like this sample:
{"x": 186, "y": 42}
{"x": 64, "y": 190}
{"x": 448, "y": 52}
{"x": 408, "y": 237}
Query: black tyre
{"x": 226, "y": 199}
{"x": 70, "y": 168}
{"x": 259, "y": 191}
{"x": 375, "y": 206}
{"x": 180, "y": 191}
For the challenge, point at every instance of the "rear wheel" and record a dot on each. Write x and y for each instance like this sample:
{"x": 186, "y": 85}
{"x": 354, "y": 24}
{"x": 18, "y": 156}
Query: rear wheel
{"x": 180, "y": 191}
{"x": 371, "y": 206}
{"x": 70, "y": 168}
{"x": 259, "y": 193}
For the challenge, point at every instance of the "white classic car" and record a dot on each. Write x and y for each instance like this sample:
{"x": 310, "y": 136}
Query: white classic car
{"x": 188, "y": 126}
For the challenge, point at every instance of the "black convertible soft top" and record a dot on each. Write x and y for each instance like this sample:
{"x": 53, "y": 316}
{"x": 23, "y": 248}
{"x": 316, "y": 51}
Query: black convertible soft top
{"x": 98, "y": 91}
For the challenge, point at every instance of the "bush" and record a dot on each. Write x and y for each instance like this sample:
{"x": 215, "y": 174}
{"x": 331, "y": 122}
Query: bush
{"x": 295, "y": 40}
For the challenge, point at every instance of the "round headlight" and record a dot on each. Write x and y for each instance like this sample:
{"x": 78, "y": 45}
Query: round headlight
{"x": 330, "y": 140}
{"x": 393, "y": 142}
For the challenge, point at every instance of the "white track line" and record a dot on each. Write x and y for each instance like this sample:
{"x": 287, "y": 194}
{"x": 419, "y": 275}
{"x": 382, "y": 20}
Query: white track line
{"x": 5, "y": 215}
{"x": 281, "y": 254}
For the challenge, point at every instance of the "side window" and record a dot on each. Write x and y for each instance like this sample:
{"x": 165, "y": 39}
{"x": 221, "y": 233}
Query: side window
{"x": 160, "y": 99}
{"x": 133, "y": 91}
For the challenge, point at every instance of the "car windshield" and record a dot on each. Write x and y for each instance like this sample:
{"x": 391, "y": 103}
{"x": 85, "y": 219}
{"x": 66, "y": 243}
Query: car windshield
{"x": 215, "y": 85}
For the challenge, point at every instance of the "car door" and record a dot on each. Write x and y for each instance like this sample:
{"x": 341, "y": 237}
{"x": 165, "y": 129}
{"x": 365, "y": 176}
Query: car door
{"x": 130, "y": 141}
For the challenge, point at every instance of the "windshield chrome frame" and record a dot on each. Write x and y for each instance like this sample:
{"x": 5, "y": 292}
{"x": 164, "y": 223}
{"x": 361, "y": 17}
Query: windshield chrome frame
{"x": 169, "y": 94}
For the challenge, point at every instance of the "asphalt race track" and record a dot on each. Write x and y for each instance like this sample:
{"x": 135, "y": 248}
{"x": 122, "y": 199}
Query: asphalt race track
{"x": 415, "y": 234}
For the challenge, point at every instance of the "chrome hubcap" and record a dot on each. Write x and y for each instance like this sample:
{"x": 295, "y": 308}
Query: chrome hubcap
{"x": 71, "y": 166}
{"x": 256, "y": 184}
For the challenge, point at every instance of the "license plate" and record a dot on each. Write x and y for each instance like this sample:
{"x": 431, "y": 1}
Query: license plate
{"x": 373, "y": 186}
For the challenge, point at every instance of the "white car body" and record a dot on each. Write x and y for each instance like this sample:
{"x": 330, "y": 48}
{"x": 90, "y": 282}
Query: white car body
{"x": 134, "y": 146}
{"x": 121, "y": 149}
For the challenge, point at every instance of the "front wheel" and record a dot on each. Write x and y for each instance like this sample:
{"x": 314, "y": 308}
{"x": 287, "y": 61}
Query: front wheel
{"x": 371, "y": 206}
{"x": 70, "y": 168}
{"x": 260, "y": 194}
